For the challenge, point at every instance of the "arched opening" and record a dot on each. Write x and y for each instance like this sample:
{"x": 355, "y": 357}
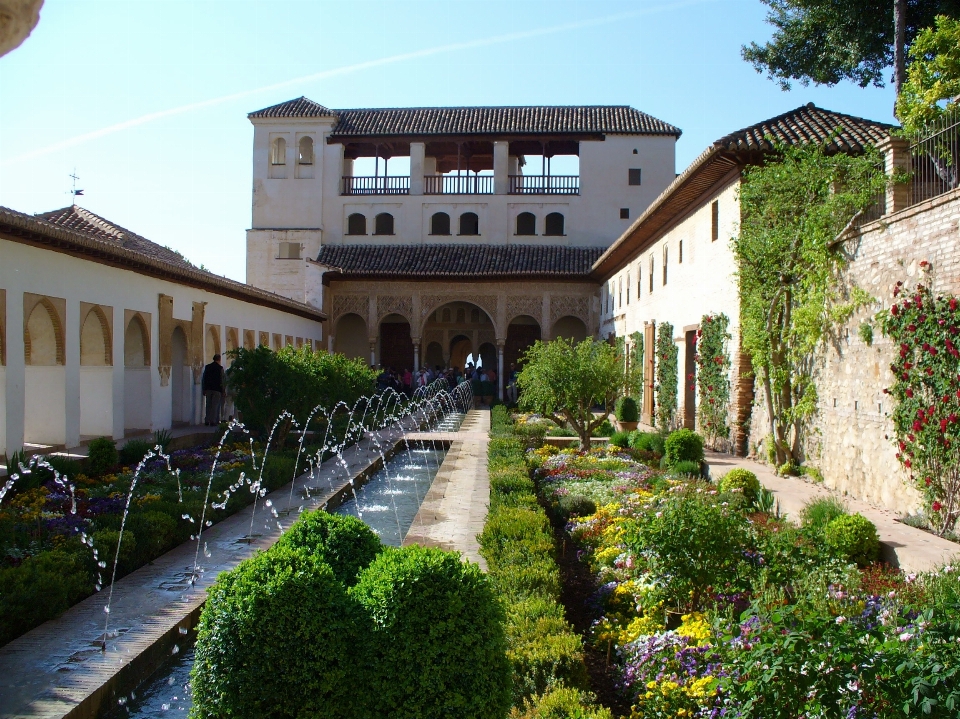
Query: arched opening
{"x": 44, "y": 376}
{"x": 212, "y": 344}
{"x": 383, "y": 225}
{"x": 526, "y": 223}
{"x": 469, "y": 223}
{"x": 95, "y": 345}
{"x": 136, "y": 377}
{"x": 461, "y": 315}
{"x": 356, "y": 224}
{"x": 554, "y": 225}
{"x": 305, "y": 155}
{"x": 232, "y": 344}
{"x": 249, "y": 339}
{"x": 447, "y": 317}
{"x": 440, "y": 224}
{"x": 522, "y": 332}
{"x": 570, "y": 328}
{"x": 96, "y": 377}
{"x": 278, "y": 151}
{"x": 350, "y": 337}
{"x": 396, "y": 346}
{"x": 181, "y": 379}
{"x": 460, "y": 347}
{"x": 488, "y": 356}
{"x": 433, "y": 357}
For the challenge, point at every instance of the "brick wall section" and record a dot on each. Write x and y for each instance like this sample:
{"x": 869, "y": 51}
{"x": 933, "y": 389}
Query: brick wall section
{"x": 849, "y": 443}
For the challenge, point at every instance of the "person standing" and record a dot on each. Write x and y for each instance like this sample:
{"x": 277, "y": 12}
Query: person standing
{"x": 212, "y": 384}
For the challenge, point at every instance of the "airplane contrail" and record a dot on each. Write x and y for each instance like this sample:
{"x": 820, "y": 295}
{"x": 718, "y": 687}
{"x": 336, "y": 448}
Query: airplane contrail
{"x": 357, "y": 67}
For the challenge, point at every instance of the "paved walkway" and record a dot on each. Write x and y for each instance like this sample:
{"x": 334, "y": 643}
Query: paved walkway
{"x": 58, "y": 668}
{"x": 911, "y": 549}
{"x": 455, "y": 508}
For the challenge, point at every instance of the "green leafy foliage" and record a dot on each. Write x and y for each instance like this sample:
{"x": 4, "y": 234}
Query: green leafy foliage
{"x": 933, "y": 78}
{"x": 101, "y": 456}
{"x": 666, "y": 378}
{"x": 265, "y": 383}
{"x": 853, "y": 538}
{"x": 684, "y": 445}
{"x": 342, "y": 542}
{"x": 713, "y": 376}
{"x": 130, "y": 454}
{"x": 818, "y": 513}
{"x": 280, "y": 636}
{"x": 620, "y": 439}
{"x": 635, "y": 375}
{"x": 564, "y": 380}
{"x": 647, "y": 442}
{"x": 686, "y": 468}
{"x": 743, "y": 481}
{"x": 562, "y": 703}
{"x": 626, "y": 410}
{"x": 433, "y": 616}
{"x": 926, "y": 416}
{"x": 790, "y": 298}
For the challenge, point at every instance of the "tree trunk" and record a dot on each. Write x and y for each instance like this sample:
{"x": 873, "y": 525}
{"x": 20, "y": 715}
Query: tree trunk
{"x": 899, "y": 45}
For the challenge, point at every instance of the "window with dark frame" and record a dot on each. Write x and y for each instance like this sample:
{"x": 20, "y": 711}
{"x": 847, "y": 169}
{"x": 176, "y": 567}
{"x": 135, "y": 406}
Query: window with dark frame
{"x": 665, "y": 251}
{"x": 469, "y": 224}
{"x": 680, "y": 252}
{"x": 624, "y": 213}
{"x": 383, "y": 224}
{"x": 553, "y": 225}
{"x": 715, "y": 221}
{"x": 526, "y": 224}
{"x": 633, "y": 176}
{"x": 651, "y": 274}
{"x": 440, "y": 224}
{"x": 356, "y": 224}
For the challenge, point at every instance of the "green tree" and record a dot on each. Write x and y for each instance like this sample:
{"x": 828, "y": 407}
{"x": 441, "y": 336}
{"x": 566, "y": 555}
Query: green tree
{"x": 826, "y": 41}
{"x": 564, "y": 381}
{"x": 933, "y": 76}
{"x": 793, "y": 211}
{"x": 666, "y": 374}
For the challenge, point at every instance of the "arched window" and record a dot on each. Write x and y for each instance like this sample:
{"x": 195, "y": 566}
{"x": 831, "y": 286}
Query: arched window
{"x": 526, "y": 223}
{"x": 278, "y": 152}
{"x": 383, "y": 225}
{"x": 469, "y": 224}
{"x": 461, "y": 315}
{"x": 554, "y": 225}
{"x": 356, "y": 224}
{"x": 475, "y": 316}
{"x": 446, "y": 314}
{"x": 440, "y": 224}
{"x": 306, "y": 151}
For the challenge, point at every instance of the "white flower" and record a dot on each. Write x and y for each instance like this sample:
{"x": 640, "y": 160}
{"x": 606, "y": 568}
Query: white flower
{"x": 906, "y": 637}
{"x": 841, "y": 619}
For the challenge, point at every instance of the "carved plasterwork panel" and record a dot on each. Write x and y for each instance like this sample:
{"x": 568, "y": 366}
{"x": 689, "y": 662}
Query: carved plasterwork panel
{"x": 347, "y": 304}
{"x": 524, "y": 305}
{"x": 563, "y": 305}
{"x": 433, "y": 336}
{"x": 388, "y": 304}
{"x": 485, "y": 336}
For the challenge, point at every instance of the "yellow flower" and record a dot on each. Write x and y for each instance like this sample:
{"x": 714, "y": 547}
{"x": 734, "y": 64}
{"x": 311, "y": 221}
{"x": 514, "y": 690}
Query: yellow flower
{"x": 694, "y": 626}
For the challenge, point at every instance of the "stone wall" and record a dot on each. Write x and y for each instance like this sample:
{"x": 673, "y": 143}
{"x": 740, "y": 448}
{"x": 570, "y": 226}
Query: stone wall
{"x": 850, "y": 442}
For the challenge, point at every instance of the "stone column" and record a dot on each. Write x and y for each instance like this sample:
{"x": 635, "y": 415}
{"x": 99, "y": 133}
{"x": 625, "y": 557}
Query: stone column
{"x": 896, "y": 156}
{"x": 501, "y": 167}
{"x": 416, "y": 354}
{"x": 119, "y": 335}
{"x": 373, "y": 353}
{"x": 71, "y": 341}
{"x": 15, "y": 371}
{"x": 500, "y": 344}
{"x": 417, "y": 153}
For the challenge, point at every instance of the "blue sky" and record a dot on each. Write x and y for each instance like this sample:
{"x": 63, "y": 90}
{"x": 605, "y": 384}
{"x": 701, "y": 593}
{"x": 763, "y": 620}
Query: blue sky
{"x": 147, "y": 99}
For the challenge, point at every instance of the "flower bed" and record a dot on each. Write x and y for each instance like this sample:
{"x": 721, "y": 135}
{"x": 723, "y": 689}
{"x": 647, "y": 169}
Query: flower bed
{"x": 57, "y": 549}
{"x": 711, "y": 608}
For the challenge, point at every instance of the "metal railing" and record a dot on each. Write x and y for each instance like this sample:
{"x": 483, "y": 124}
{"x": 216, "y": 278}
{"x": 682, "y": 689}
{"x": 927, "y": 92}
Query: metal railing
{"x": 935, "y": 152}
{"x": 390, "y": 185}
{"x": 544, "y": 184}
{"x": 458, "y": 184}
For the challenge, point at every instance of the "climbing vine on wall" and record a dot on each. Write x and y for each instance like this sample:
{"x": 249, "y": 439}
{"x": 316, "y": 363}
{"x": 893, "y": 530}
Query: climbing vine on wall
{"x": 666, "y": 374}
{"x": 635, "y": 378}
{"x": 926, "y": 390}
{"x": 713, "y": 377}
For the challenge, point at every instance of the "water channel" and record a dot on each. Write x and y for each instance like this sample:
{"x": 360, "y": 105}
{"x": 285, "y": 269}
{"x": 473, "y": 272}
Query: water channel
{"x": 387, "y": 503}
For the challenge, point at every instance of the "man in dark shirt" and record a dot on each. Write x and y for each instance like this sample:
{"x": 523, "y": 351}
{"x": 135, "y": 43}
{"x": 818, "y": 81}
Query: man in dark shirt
{"x": 212, "y": 385}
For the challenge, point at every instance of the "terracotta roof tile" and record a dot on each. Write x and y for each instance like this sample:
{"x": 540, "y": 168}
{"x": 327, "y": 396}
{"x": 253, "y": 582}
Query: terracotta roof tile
{"x": 552, "y": 119}
{"x": 460, "y": 261}
{"x": 805, "y": 124}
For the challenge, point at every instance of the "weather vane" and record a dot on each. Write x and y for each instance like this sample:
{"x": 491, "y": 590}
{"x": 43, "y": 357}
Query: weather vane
{"x": 75, "y": 192}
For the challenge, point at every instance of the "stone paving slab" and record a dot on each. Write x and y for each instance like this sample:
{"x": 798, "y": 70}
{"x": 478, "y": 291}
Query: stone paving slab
{"x": 455, "y": 508}
{"x": 911, "y": 549}
{"x": 58, "y": 670}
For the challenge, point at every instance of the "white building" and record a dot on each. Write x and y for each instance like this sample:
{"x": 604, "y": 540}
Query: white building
{"x": 103, "y": 332}
{"x": 478, "y": 247}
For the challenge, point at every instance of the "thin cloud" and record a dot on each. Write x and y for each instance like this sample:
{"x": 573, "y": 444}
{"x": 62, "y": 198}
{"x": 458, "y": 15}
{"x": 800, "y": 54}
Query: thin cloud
{"x": 347, "y": 69}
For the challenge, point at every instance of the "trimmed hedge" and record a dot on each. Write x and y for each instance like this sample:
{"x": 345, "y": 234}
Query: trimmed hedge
{"x": 341, "y": 541}
{"x": 683, "y": 445}
{"x": 438, "y": 641}
{"x": 517, "y": 542}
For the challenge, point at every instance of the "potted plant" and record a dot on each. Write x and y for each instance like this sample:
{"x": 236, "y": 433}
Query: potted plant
{"x": 627, "y": 414}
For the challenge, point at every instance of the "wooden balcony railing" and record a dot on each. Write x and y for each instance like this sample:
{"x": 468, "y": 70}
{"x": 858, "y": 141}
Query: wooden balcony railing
{"x": 544, "y": 184}
{"x": 390, "y": 185}
{"x": 458, "y": 184}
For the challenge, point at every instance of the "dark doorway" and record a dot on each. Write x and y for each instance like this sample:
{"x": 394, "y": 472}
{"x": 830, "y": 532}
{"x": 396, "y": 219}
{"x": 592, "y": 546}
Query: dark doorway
{"x": 396, "y": 347}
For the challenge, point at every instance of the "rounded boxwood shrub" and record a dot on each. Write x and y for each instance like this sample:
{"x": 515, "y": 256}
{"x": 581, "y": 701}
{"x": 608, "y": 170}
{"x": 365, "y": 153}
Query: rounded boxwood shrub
{"x": 743, "y": 480}
{"x": 684, "y": 445}
{"x": 646, "y": 442}
{"x": 437, "y": 637}
{"x": 854, "y": 538}
{"x": 626, "y": 410}
{"x": 687, "y": 468}
{"x": 101, "y": 456}
{"x": 620, "y": 439}
{"x": 343, "y": 542}
{"x": 280, "y": 637}
{"x": 562, "y": 703}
